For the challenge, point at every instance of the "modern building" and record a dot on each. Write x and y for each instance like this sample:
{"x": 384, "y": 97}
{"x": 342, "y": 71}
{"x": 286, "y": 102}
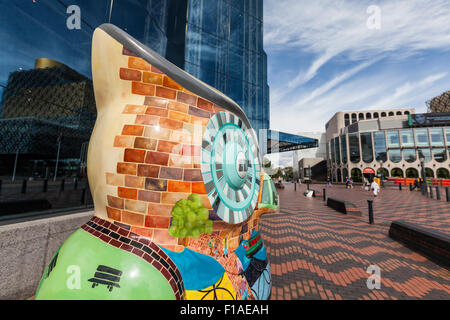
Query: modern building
{"x": 392, "y": 142}
{"x": 311, "y": 163}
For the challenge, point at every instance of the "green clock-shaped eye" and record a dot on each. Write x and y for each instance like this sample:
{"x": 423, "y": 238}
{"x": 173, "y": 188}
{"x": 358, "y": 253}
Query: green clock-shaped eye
{"x": 230, "y": 167}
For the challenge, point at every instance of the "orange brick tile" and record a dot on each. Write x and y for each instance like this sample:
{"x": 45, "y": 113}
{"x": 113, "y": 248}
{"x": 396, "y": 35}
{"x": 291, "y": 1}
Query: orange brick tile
{"x": 199, "y": 120}
{"x": 126, "y": 168}
{"x": 156, "y": 132}
{"x": 147, "y": 120}
{"x": 153, "y": 78}
{"x": 181, "y": 136}
{"x": 149, "y": 196}
{"x": 178, "y": 106}
{"x": 132, "y": 130}
{"x": 132, "y": 218}
{"x": 170, "y": 147}
{"x": 178, "y": 186}
{"x": 156, "y": 111}
{"x": 145, "y": 232}
{"x": 180, "y": 161}
{"x": 179, "y": 116}
{"x": 143, "y": 89}
{"x": 134, "y": 109}
{"x": 145, "y": 143}
{"x": 157, "y": 158}
{"x": 114, "y": 179}
{"x": 129, "y": 74}
{"x": 165, "y": 93}
{"x": 162, "y": 236}
{"x": 172, "y": 198}
{"x": 115, "y": 202}
{"x": 124, "y": 141}
{"x": 114, "y": 214}
{"x": 138, "y": 63}
{"x": 160, "y": 209}
{"x": 157, "y": 222}
{"x": 187, "y": 98}
{"x": 136, "y": 206}
{"x": 127, "y": 193}
{"x": 168, "y": 82}
{"x": 205, "y": 105}
{"x": 156, "y": 102}
{"x": 170, "y": 124}
{"x": 145, "y": 170}
{"x": 134, "y": 155}
{"x": 134, "y": 182}
{"x": 198, "y": 187}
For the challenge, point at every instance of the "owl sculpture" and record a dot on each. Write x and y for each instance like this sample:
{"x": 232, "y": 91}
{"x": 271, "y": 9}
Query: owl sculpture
{"x": 174, "y": 171}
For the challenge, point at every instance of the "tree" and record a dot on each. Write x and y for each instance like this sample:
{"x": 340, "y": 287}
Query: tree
{"x": 288, "y": 173}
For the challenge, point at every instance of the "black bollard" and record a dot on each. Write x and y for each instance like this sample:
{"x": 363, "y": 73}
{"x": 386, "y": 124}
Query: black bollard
{"x": 431, "y": 192}
{"x": 0, "y": 187}
{"x": 307, "y": 186}
{"x": 295, "y": 186}
{"x": 410, "y": 187}
{"x": 447, "y": 194}
{"x": 370, "y": 202}
{"x": 438, "y": 193}
{"x": 24, "y": 186}
{"x": 400, "y": 186}
{"x": 75, "y": 184}
{"x": 61, "y": 188}
{"x": 45, "y": 186}
{"x": 324, "y": 194}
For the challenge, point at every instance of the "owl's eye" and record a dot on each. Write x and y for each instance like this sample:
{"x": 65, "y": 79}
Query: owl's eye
{"x": 230, "y": 167}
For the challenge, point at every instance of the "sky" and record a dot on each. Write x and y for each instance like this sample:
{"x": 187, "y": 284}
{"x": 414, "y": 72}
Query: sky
{"x": 326, "y": 56}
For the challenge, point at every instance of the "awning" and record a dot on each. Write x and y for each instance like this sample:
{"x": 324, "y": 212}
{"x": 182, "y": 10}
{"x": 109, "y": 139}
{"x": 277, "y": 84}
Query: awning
{"x": 278, "y": 141}
{"x": 369, "y": 171}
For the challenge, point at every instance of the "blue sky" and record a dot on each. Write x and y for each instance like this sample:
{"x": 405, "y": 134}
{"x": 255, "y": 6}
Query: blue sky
{"x": 322, "y": 58}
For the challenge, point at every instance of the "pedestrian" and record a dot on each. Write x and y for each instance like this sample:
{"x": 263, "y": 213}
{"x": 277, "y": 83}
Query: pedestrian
{"x": 375, "y": 187}
{"x": 416, "y": 184}
{"x": 329, "y": 182}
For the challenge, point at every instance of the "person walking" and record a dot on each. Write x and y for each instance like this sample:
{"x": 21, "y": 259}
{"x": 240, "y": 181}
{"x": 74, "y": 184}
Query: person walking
{"x": 375, "y": 187}
{"x": 329, "y": 182}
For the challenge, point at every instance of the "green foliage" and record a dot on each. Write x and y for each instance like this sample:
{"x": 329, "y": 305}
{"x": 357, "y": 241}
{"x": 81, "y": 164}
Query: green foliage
{"x": 190, "y": 218}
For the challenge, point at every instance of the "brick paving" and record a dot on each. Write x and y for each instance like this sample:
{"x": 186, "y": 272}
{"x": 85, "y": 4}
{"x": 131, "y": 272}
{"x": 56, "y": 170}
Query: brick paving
{"x": 319, "y": 253}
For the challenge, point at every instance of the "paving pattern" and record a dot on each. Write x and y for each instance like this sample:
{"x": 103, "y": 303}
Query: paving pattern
{"x": 319, "y": 253}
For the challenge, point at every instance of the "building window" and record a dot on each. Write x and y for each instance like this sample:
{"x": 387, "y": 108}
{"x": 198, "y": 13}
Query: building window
{"x": 346, "y": 119}
{"x": 409, "y": 155}
{"x": 422, "y": 138}
{"x": 425, "y": 153}
{"x": 407, "y": 138}
{"x": 337, "y": 150}
{"x": 366, "y": 146}
{"x": 356, "y": 175}
{"x": 406, "y": 112}
{"x": 353, "y": 117}
{"x": 393, "y": 140}
{"x": 399, "y": 113}
{"x": 384, "y": 172}
{"x": 361, "y": 116}
{"x": 333, "y": 152}
{"x": 391, "y": 114}
{"x": 395, "y": 155}
{"x": 447, "y": 135}
{"x": 383, "y": 114}
{"x": 439, "y": 154}
{"x": 442, "y": 173}
{"x": 368, "y": 116}
{"x": 437, "y": 137}
{"x": 412, "y": 173}
{"x": 345, "y": 173}
{"x": 344, "y": 149}
{"x": 353, "y": 141}
{"x": 429, "y": 173}
{"x": 375, "y": 115}
{"x": 397, "y": 172}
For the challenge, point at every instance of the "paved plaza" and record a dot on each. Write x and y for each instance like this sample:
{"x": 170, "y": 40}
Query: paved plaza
{"x": 319, "y": 253}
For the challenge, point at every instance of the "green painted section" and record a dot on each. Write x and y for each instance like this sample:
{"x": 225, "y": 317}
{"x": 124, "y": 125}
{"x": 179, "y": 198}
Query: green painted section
{"x": 79, "y": 258}
{"x": 270, "y": 192}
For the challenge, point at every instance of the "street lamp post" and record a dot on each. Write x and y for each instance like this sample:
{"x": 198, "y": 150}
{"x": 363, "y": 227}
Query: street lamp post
{"x": 423, "y": 185}
{"x": 381, "y": 173}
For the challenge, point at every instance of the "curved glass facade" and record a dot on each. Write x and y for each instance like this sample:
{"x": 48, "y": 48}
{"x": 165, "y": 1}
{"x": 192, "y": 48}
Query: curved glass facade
{"x": 395, "y": 155}
{"x": 439, "y": 154}
{"x": 344, "y": 149}
{"x": 338, "y": 150}
{"x": 379, "y": 142}
{"x": 366, "y": 146}
{"x": 425, "y": 153}
{"x": 407, "y": 138}
{"x": 333, "y": 151}
{"x": 437, "y": 137}
{"x": 422, "y": 137}
{"x": 409, "y": 155}
{"x": 393, "y": 139}
{"x": 353, "y": 142}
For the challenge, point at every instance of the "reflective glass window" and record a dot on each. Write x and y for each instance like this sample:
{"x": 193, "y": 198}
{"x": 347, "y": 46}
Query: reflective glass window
{"x": 333, "y": 153}
{"x": 425, "y": 153}
{"x": 409, "y": 155}
{"x": 407, "y": 138}
{"x": 366, "y": 146}
{"x": 380, "y": 146}
{"x": 344, "y": 149}
{"x": 338, "y": 150}
{"x": 393, "y": 140}
{"x": 353, "y": 141}
{"x": 447, "y": 135}
{"x": 439, "y": 154}
{"x": 437, "y": 137}
{"x": 395, "y": 155}
{"x": 422, "y": 137}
